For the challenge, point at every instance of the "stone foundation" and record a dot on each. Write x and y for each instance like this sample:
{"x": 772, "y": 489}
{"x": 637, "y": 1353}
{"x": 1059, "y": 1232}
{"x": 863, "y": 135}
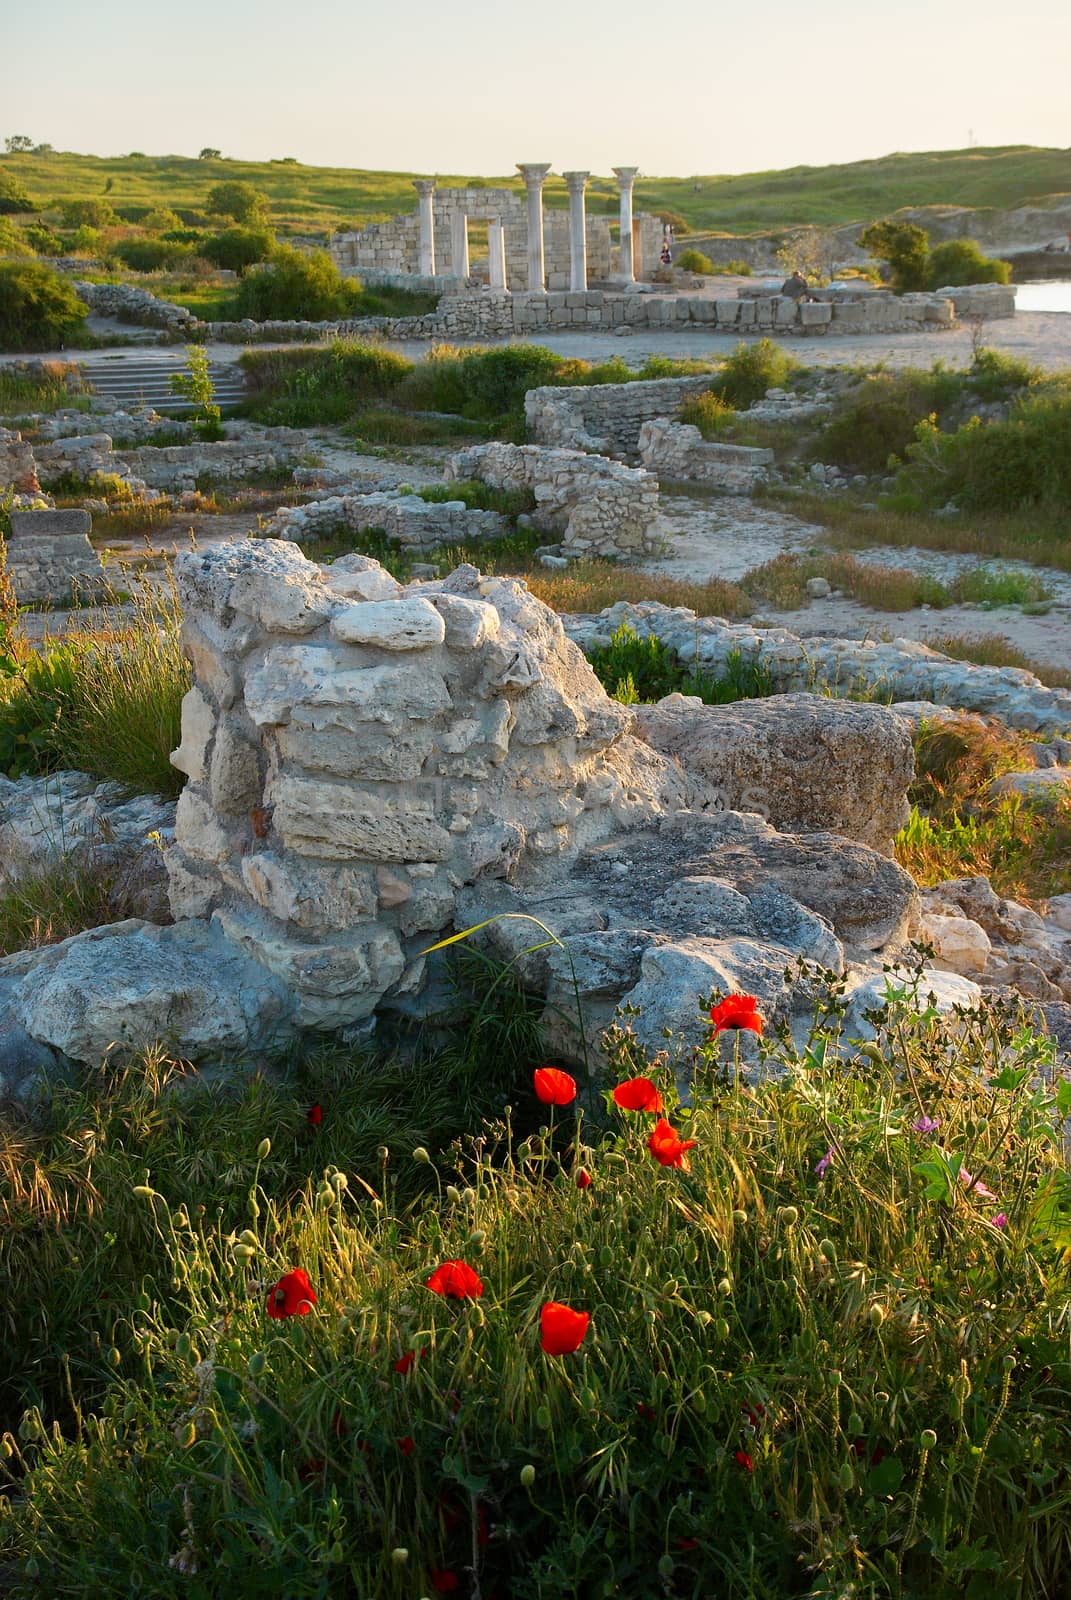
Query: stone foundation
{"x": 599, "y": 507}
{"x": 605, "y": 417}
{"x": 677, "y": 450}
{"x": 410, "y": 522}
{"x": 50, "y": 558}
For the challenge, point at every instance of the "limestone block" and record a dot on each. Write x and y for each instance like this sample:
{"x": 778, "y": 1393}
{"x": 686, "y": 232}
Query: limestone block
{"x": 213, "y": 669}
{"x": 330, "y": 690}
{"x": 468, "y": 623}
{"x": 198, "y": 724}
{"x": 74, "y": 523}
{"x": 409, "y": 624}
{"x": 299, "y": 891}
{"x": 367, "y": 581}
{"x": 234, "y": 772}
{"x": 815, "y": 314}
{"x": 393, "y": 754}
{"x": 192, "y": 891}
{"x": 677, "y": 977}
{"x": 959, "y": 944}
{"x": 197, "y": 829}
{"x": 333, "y": 985}
{"x": 339, "y": 822}
{"x": 728, "y": 312}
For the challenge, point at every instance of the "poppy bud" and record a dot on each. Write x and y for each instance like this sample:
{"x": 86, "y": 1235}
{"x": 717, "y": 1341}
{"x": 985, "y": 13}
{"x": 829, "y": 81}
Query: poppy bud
{"x": 855, "y": 1425}
{"x": 256, "y": 1363}
{"x": 7, "y": 1449}
{"x": 724, "y": 1286}
{"x": 399, "y": 1556}
{"x": 665, "y": 1566}
{"x": 721, "y": 1328}
{"x": 928, "y": 1439}
{"x": 382, "y": 1152}
{"x": 606, "y": 1256}
{"x": 740, "y": 1217}
{"x": 698, "y": 1402}
{"x": 247, "y": 1236}
{"x": 828, "y": 1249}
{"x": 336, "y": 1555}
{"x": 847, "y": 1476}
{"x": 244, "y": 1251}
{"x": 835, "y": 1378}
{"x": 1008, "y": 1363}
{"x": 183, "y": 1346}
{"x": 264, "y": 1150}
{"x": 542, "y": 1416}
{"x": 420, "y": 1154}
{"x": 476, "y": 1240}
{"x": 788, "y": 1215}
{"x": 528, "y": 1476}
{"x": 114, "y": 1358}
{"x": 143, "y": 1191}
{"x": 453, "y": 1193}
{"x": 876, "y": 1316}
{"x": 704, "y": 1318}
{"x": 961, "y": 1387}
{"x": 669, "y": 1288}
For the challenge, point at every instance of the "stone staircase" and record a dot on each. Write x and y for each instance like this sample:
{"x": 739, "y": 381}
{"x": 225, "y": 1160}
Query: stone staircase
{"x": 143, "y": 380}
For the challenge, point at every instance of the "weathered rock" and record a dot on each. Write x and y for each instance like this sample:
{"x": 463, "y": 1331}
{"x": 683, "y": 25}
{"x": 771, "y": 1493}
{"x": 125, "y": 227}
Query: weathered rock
{"x": 802, "y": 761}
{"x": 945, "y": 990}
{"x": 959, "y": 944}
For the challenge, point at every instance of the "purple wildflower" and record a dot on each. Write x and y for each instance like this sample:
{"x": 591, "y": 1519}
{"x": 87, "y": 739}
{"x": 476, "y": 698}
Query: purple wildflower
{"x": 822, "y": 1167}
{"x": 975, "y": 1185}
{"x": 926, "y": 1125}
{"x": 999, "y": 1221}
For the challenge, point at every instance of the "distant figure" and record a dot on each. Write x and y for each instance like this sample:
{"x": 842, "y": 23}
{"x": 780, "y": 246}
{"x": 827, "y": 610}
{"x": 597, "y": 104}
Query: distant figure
{"x": 796, "y": 286}
{"x": 667, "y": 256}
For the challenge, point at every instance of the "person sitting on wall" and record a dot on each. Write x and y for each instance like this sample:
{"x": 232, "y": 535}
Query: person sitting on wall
{"x": 796, "y": 286}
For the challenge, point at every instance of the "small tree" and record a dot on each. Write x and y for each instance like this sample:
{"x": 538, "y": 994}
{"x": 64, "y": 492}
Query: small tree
{"x": 16, "y": 142}
{"x": 813, "y": 251}
{"x": 39, "y": 310}
{"x": 903, "y": 248}
{"x": 208, "y": 154}
{"x": 87, "y": 214}
{"x": 13, "y": 197}
{"x": 296, "y": 284}
{"x": 237, "y": 249}
{"x": 959, "y": 261}
{"x": 238, "y": 200}
{"x": 196, "y": 385}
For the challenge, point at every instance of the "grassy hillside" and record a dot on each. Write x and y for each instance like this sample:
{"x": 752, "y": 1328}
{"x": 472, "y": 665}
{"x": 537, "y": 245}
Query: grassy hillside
{"x": 320, "y": 199}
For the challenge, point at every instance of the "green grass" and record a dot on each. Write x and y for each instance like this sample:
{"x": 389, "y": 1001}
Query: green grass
{"x": 54, "y": 902}
{"x": 58, "y": 386}
{"x": 639, "y": 671}
{"x": 815, "y": 1367}
{"x": 320, "y": 199}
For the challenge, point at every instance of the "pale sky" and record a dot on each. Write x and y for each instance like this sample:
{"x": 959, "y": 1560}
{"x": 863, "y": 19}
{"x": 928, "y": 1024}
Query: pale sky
{"x": 475, "y": 87}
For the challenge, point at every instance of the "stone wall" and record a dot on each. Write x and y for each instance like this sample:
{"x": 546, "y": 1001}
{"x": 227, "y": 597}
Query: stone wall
{"x": 358, "y": 753}
{"x": 178, "y": 467}
{"x": 410, "y": 522}
{"x": 18, "y": 469}
{"x": 50, "y": 558}
{"x": 132, "y": 304}
{"x": 599, "y": 507}
{"x": 605, "y": 417}
{"x": 677, "y": 450}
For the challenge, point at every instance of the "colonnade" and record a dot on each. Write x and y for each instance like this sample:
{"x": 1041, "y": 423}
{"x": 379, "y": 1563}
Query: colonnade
{"x": 534, "y": 175}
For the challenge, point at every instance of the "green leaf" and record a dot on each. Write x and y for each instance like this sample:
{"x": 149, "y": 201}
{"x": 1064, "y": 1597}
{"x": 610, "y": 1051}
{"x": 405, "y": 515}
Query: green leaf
{"x": 886, "y": 1477}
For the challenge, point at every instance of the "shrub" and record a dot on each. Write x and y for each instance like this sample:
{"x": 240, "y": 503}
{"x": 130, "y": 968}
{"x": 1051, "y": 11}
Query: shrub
{"x": 960, "y": 261}
{"x": 13, "y": 197}
{"x": 877, "y": 418}
{"x": 709, "y": 413}
{"x": 679, "y": 224}
{"x": 480, "y": 496}
{"x": 39, "y": 309}
{"x": 296, "y": 285}
{"x": 303, "y": 386}
{"x": 238, "y": 248}
{"x": 904, "y": 249}
{"x": 694, "y": 261}
{"x": 750, "y": 371}
{"x": 13, "y": 242}
{"x": 641, "y": 670}
{"x": 996, "y": 466}
{"x": 161, "y": 220}
{"x": 87, "y": 213}
{"x": 149, "y": 255}
{"x": 43, "y": 240}
{"x": 238, "y": 200}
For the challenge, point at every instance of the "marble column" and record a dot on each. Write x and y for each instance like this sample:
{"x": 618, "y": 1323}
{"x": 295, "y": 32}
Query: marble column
{"x": 534, "y": 174}
{"x": 425, "y": 187}
{"x": 578, "y": 239}
{"x": 459, "y": 245}
{"x": 496, "y": 254}
{"x": 626, "y": 177}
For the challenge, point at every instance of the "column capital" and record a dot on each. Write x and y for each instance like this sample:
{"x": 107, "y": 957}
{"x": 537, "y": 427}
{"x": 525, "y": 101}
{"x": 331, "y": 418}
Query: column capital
{"x": 625, "y": 175}
{"x": 533, "y": 172}
{"x": 424, "y": 186}
{"x": 576, "y": 181}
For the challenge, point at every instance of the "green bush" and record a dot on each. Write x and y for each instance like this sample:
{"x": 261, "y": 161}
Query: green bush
{"x": 161, "y": 220}
{"x": 88, "y": 214}
{"x": 13, "y": 242}
{"x": 996, "y": 466}
{"x": 297, "y": 286}
{"x": 300, "y": 387}
{"x": 694, "y": 261}
{"x": 877, "y": 419}
{"x": 39, "y": 310}
{"x": 959, "y": 261}
{"x": 44, "y": 240}
{"x": 750, "y": 371}
{"x": 238, "y": 200}
{"x": 149, "y": 255}
{"x": 480, "y": 496}
{"x": 903, "y": 248}
{"x": 238, "y": 248}
{"x": 709, "y": 413}
{"x": 13, "y": 197}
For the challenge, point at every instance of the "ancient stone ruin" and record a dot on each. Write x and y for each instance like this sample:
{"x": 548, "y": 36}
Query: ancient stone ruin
{"x": 50, "y": 558}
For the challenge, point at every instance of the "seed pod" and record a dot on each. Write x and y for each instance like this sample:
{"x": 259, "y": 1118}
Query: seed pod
{"x": 257, "y": 1363}
{"x": 399, "y": 1556}
{"x": 876, "y": 1316}
{"x": 828, "y": 1249}
{"x": 928, "y": 1439}
{"x": 724, "y": 1286}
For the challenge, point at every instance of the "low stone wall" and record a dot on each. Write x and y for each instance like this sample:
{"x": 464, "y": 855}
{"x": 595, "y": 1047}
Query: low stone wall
{"x": 178, "y": 467}
{"x": 988, "y": 300}
{"x": 903, "y": 670}
{"x": 605, "y": 417}
{"x": 412, "y": 523}
{"x": 599, "y": 507}
{"x": 131, "y": 304}
{"x": 50, "y": 558}
{"x": 18, "y": 467}
{"x": 679, "y": 451}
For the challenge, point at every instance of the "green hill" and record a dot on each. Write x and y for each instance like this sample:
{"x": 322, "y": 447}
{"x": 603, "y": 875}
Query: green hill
{"x": 321, "y": 199}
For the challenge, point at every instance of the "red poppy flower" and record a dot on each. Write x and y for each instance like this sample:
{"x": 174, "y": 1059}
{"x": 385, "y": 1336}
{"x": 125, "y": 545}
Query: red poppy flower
{"x": 314, "y": 1115}
{"x": 667, "y": 1146}
{"x": 407, "y": 1445}
{"x": 553, "y": 1087}
{"x": 455, "y": 1280}
{"x": 745, "y": 1461}
{"x": 444, "y": 1582}
{"x": 646, "y": 1412}
{"x": 637, "y": 1094}
{"x": 737, "y": 1011}
{"x": 752, "y": 1416}
{"x": 561, "y": 1329}
{"x": 292, "y": 1296}
{"x": 583, "y": 1179}
{"x": 687, "y": 1544}
{"x": 404, "y": 1363}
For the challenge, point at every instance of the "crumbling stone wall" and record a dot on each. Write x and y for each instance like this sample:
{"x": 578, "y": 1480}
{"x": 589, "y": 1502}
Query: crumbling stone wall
{"x": 599, "y": 507}
{"x": 412, "y": 523}
{"x": 605, "y": 417}
{"x": 18, "y": 469}
{"x": 358, "y": 753}
{"x": 679, "y": 451}
{"x": 50, "y": 558}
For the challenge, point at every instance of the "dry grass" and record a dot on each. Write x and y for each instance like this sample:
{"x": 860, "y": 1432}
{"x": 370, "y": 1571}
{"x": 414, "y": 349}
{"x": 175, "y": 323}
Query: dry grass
{"x": 993, "y": 650}
{"x": 593, "y": 585}
{"x": 782, "y": 583}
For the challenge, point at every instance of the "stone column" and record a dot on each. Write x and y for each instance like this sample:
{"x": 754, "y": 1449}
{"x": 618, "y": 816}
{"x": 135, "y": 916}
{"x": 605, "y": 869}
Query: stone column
{"x": 626, "y": 177}
{"x": 496, "y": 254}
{"x": 425, "y": 187}
{"x": 534, "y": 174}
{"x": 459, "y": 245}
{"x": 578, "y": 240}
